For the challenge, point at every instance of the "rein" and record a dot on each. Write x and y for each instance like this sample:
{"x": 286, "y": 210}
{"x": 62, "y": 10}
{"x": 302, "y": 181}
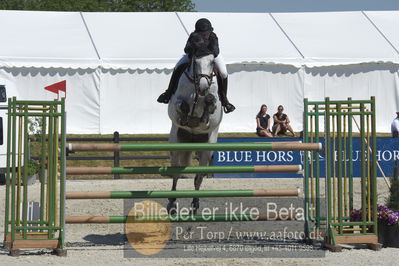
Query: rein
{"x": 196, "y": 85}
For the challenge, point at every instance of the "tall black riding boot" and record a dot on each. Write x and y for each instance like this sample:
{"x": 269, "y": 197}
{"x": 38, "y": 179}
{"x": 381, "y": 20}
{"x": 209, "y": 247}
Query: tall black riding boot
{"x": 222, "y": 90}
{"x": 174, "y": 81}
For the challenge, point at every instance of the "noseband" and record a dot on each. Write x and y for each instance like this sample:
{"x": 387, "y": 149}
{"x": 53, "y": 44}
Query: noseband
{"x": 195, "y": 80}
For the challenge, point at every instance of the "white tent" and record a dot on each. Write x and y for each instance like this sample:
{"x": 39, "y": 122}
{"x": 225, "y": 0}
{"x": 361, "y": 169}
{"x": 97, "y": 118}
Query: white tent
{"x": 116, "y": 64}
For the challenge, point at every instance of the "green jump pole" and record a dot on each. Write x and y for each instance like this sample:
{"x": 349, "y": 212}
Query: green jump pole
{"x": 306, "y": 165}
{"x": 176, "y": 218}
{"x": 240, "y": 146}
{"x": 182, "y": 194}
{"x": 374, "y": 166}
{"x": 8, "y": 174}
{"x": 184, "y": 169}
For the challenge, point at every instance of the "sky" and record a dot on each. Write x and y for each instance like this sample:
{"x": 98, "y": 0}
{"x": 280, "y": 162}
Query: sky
{"x": 293, "y": 5}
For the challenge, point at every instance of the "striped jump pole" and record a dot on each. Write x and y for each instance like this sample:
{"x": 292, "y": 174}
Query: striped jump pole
{"x": 184, "y": 169}
{"x": 178, "y": 218}
{"x": 183, "y": 194}
{"x": 232, "y": 146}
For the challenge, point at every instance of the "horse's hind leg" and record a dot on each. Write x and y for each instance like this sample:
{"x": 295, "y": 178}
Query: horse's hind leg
{"x": 172, "y": 201}
{"x": 204, "y": 160}
{"x": 197, "y": 184}
{"x": 180, "y": 158}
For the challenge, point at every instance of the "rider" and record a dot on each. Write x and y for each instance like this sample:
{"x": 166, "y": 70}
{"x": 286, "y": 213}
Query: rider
{"x": 203, "y": 27}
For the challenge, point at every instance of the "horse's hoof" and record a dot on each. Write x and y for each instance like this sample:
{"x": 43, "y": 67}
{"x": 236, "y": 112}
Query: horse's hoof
{"x": 212, "y": 109}
{"x": 205, "y": 118}
{"x": 171, "y": 208}
{"x": 210, "y": 102}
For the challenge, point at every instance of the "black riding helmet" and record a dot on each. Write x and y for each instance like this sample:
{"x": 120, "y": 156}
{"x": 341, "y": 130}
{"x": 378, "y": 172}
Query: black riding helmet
{"x": 203, "y": 26}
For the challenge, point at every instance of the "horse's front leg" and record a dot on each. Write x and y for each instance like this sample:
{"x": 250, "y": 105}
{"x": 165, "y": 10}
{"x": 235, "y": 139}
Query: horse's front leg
{"x": 184, "y": 109}
{"x": 210, "y": 107}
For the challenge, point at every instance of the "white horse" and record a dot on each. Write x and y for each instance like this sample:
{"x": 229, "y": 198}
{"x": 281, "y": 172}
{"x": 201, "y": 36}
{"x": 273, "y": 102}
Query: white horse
{"x": 196, "y": 112}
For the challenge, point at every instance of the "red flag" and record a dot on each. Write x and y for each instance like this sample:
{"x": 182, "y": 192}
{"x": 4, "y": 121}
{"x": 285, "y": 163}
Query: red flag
{"x": 57, "y": 87}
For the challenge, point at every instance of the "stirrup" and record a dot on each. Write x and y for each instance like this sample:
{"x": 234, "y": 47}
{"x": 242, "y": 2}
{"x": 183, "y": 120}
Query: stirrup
{"x": 228, "y": 108}
{"x": 163, "y": 98}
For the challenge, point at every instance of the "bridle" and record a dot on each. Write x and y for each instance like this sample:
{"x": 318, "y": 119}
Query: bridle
{"x": 195, "y": 80}
{"x": 196, "y": 77}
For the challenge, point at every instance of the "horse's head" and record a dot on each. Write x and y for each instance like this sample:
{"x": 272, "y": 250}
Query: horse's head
{"x": 203, "y": 72}
{"x": 195, "y": 103}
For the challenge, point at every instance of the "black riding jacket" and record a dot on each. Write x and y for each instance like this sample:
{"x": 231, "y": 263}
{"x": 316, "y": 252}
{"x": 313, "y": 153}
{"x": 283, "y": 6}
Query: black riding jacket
{"x": 211, "y": 46}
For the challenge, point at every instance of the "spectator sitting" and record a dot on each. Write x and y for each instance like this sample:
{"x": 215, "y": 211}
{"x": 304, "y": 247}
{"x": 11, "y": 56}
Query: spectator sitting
{"x": 395, "y": 126}
{"x": 263, "y": 122}
{"x": 281, "y": 122}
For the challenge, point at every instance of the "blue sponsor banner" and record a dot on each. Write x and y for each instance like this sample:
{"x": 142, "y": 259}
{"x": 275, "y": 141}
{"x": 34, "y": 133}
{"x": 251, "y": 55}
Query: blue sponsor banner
{"x": 387, "y": 152}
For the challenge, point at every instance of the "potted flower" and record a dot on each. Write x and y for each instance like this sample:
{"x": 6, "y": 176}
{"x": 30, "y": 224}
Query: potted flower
{"x": 388, "y": 227}
{"x": 388, "y": 216}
